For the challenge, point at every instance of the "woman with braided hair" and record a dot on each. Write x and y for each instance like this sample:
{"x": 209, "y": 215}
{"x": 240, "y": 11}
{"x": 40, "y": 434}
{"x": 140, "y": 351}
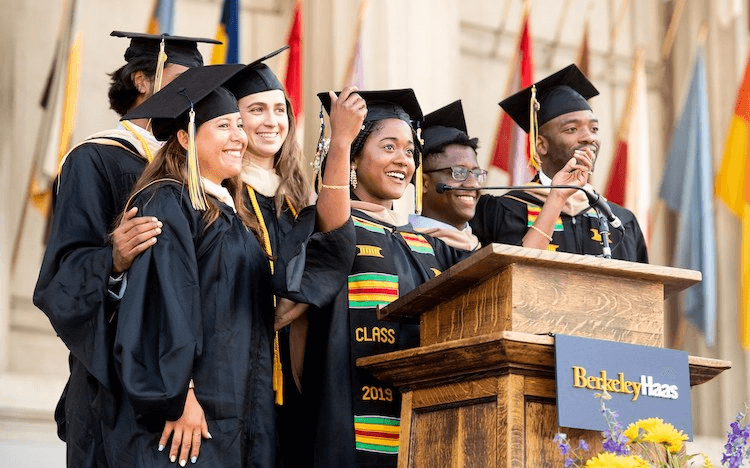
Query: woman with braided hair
{"x": 354, "y": 417}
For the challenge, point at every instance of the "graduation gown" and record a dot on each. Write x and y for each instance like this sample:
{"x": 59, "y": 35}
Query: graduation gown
{"x": 71, "y": 290}
{"x": 199, "y": 305}
{"x": 505, "y": 219}
{"x": 354, "y": 417}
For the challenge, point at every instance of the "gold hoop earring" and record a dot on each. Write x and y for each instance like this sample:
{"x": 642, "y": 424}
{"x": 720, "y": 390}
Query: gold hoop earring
{"x": 353, "y": 178}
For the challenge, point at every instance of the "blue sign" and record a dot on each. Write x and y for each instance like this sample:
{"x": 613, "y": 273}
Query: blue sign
{"x": 644, "y": 382}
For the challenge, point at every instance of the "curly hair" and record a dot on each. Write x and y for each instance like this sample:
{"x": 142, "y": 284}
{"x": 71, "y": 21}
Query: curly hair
{"x": 122, "y": 91}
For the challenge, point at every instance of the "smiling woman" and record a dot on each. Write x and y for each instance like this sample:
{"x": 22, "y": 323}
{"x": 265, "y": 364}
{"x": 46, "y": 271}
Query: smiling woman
{"x": 353, "y": 419}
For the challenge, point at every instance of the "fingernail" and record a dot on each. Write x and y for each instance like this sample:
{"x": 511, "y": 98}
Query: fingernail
{"x": 159, "y": 223}
{"x": 193, "y": 459}
{"x": 209, "y": 435}
{"x": 153, "y": 240}
{"x": 173, "y": 458}
{"x": 161, "y": 447}
{"x": 158, "y": 230}
{"x": 183, "y": 462}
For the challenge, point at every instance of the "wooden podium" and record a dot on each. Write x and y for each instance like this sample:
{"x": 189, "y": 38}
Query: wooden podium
{"x": 480, "y": 389}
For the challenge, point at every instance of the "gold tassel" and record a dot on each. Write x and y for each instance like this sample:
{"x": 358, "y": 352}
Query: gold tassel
{"x": 418, "y": 183}
{"x": 195, "y": 186}
{"x": 278, "y": 377}
{"x": 534, "y": 131}
{"x": 160, "y": 67}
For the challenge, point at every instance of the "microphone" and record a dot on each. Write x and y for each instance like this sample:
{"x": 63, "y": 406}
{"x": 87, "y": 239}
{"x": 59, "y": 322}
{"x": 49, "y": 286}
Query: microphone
{"x": 595, "y": 200}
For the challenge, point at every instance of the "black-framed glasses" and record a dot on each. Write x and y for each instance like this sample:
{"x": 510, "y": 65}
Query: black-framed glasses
{"x": 460, "y": 173}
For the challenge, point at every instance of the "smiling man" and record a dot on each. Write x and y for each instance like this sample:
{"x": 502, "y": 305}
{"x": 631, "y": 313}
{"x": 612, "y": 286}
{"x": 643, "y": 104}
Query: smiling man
{"x": 450, "y": 158}
{"x": 567, "y": 145}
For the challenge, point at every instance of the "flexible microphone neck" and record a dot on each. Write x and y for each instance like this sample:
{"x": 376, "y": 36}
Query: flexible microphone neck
{"x": 596, "y": 201}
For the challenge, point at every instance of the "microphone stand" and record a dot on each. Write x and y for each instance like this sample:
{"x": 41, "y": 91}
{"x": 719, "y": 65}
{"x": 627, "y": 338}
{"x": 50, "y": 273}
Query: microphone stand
{"x": 604, "y": 232}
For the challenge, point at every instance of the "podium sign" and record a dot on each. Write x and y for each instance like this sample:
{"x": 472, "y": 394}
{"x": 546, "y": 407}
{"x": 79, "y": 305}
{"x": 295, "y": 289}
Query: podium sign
{"x": 644, "y": 382}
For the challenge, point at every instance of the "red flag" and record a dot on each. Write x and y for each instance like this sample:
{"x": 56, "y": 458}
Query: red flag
{"x": 583, "y": 50}
{"x": 511, "y": 148}
{"x": 294, "y": 77}
{"x": 628, "y": 183}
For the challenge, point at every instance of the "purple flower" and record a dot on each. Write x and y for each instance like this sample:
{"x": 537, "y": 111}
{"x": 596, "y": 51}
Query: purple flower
{"x": 583, "y": 445}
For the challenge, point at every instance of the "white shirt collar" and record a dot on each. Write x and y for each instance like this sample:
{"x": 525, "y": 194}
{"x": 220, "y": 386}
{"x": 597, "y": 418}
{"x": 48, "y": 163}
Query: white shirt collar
{"x": 543, "y": 179}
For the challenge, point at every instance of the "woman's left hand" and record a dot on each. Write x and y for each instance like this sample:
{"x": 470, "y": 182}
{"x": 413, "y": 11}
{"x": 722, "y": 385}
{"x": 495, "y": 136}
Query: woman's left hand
{"x": 187, "y": 432}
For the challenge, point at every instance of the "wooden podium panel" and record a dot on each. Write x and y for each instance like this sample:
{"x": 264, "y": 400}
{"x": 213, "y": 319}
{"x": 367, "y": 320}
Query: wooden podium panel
{"x": 505, "y": 287}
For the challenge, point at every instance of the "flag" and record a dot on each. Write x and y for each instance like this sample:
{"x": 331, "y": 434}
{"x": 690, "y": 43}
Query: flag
{"x": 162, "y": 17}
{"x": 294, "y": 71}
{"x": 511, "y": 146}
{"x": 686, "y": 188}
{"x": 733, "y": 188}
{"x": 228, "y": 33}
{"x": 354, "y": 73}
{"x": 629, "y": 182}
{"x": 583, "y": 50}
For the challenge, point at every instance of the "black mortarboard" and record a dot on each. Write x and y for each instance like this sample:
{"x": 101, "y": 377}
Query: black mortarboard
{"x": 180, "y": 50}
{"x": 560, "y": 93}
{"x": 387, "y": 104}
{"x": 256, "y": 77}
{"x": 445, "y": 126}
{"x": 199, "y": 87}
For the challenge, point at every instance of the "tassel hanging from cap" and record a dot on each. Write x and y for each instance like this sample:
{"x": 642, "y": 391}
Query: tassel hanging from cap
{"x": 160, "y": 62}
{"x": 534, "y": 131}
{"x": 195, "y": 187}
{"x": 418, "y": 179}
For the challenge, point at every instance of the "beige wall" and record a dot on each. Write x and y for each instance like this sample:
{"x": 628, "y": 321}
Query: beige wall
{"x": 444, "y": 49}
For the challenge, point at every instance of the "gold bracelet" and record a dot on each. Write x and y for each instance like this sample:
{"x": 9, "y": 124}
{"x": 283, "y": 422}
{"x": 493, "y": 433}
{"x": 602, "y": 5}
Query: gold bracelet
{"x": 335, "y": 187}
{"x": 191, "y": 384}
{"x": 547, "y": 236}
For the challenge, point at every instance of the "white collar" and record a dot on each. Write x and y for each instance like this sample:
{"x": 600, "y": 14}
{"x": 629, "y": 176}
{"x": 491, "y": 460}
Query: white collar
{"x": 423, "y": 222}
{"x": 262, "y": 180}
{"x": 218, "y": 191}
{"x": 543, "y": 179}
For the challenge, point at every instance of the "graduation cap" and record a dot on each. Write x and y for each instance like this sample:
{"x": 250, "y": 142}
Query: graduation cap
{"x": 564, "y": 91}
{"x": 191, "y": 99}
{"x": 164, "y": 48}
{"x": 256, "y": 77}
{"x": 399, "y": 104}
{"x": 445, "y": 126}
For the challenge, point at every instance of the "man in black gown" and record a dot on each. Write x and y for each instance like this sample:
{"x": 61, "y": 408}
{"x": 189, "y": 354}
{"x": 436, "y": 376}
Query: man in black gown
{"x": 81, "y": 277}
{"x": 568, "y": 129}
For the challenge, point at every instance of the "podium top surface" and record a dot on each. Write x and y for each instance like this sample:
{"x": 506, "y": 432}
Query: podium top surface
{"x": 491, "y": 259}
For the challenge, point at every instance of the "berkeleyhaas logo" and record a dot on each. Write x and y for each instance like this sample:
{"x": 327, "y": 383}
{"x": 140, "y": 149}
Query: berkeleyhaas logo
{"x": 646, "y": 386}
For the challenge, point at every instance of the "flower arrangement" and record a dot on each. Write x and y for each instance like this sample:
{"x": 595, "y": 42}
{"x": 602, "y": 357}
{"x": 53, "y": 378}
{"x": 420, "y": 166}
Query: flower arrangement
{"x": 647, "y": 443}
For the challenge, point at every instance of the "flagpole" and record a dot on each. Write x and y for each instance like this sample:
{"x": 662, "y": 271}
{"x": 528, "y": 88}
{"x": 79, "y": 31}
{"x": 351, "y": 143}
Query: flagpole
{"x": 558, "y": 34}
{"x": 42, "y": 140}
{"x": 666, "y": 46}
{"x": 349, "y": 71}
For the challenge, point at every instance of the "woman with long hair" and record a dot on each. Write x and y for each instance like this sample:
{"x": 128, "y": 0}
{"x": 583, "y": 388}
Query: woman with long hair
{"x": 194, "y": 342}
{"x": 354, "y": 417}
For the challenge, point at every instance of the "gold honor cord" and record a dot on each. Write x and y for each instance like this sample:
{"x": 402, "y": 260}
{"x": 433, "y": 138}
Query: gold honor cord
{"x": 278, "y": 377}
{"x": 146, "y": 149}
{"x": 418, "y": 178}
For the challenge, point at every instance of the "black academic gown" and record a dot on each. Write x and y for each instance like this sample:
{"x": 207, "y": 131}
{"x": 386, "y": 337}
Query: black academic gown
{"x": 199, "y": 304}
{"x": 506, "y": 219}
{"x": 354, "y": 417}
{"x": 90, "y": 193}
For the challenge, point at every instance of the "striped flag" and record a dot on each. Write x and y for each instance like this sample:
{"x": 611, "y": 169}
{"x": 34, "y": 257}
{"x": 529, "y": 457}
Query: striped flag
{"x": 228, "y": 33}
{"x": 733, "y": 188}
{"x": 686, "y": 188}
{"x": 629, "y": 182}
{"x": 511, "y": 146}
{"x": 162, "y": 17}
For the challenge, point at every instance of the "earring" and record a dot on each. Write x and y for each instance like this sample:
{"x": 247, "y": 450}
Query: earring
{"x": 353, "y": 178}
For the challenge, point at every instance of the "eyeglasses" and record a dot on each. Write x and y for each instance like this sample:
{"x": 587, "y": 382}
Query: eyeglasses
{"x": 460, "y": 173}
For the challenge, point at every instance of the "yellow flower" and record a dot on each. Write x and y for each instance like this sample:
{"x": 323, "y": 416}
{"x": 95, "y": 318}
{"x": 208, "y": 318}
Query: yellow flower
{"x": 707, "y": 463}
{"x": 656, "y": 431}
{"x": 610, "y": 460}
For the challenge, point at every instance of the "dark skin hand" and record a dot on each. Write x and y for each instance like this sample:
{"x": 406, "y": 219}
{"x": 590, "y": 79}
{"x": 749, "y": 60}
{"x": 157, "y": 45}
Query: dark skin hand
{"x": 131, "y": 238}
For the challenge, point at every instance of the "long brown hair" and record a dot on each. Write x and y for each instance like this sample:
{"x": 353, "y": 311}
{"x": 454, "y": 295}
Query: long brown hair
{"x": 288, "y": 164}
{"x": 170, "y": 163}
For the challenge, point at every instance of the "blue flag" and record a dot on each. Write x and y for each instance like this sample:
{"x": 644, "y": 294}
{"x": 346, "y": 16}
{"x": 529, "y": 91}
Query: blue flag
{"x": 687, "y": 188}
{"x": 228, "y": 33}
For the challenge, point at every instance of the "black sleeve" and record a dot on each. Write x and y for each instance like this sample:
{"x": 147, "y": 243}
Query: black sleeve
{"x": 159, "y": 329}
{"x": 312, "y": 266}
{"x": 499, "y": 220}
{"x": 72, "y": 285}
